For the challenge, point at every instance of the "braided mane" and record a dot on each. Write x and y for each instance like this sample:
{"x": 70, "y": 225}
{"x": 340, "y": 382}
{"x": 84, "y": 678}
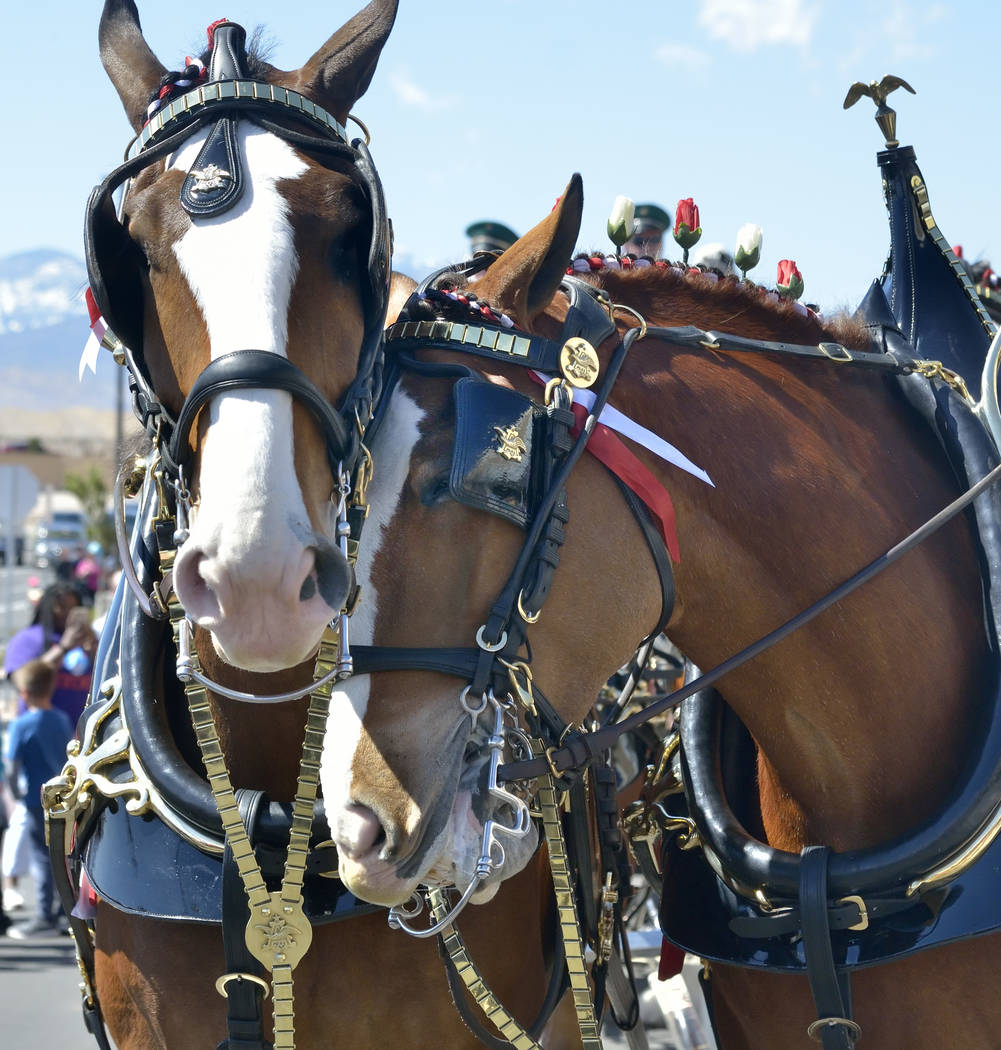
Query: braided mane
{"x": 671, "y": 295}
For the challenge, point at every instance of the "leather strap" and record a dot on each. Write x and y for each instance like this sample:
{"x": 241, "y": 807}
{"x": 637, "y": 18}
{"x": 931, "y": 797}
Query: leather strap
{"x": 262, "y": 369}
{"x": 580, "y": 748}
{"x": 849, "y": 913}
{"x": 244, "y": 998}
{"x": 834, "y": 1029}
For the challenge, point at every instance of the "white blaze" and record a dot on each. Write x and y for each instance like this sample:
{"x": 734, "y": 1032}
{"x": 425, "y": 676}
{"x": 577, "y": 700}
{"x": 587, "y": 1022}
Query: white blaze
{"x": 241, "y": 266}
{"x": 392, "y": 450}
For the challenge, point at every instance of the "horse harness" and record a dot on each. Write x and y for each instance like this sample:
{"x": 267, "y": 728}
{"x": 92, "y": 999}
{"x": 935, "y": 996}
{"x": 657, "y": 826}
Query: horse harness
{"x": 530, "y": 492}
{"x": 803, "y": 900}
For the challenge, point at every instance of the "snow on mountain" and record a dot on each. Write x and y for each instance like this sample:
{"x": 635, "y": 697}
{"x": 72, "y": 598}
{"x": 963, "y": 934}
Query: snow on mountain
{"x": 40, "y": 288}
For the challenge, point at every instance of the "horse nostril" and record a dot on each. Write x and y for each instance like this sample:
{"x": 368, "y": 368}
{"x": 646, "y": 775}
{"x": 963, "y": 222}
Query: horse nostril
{"x": 196, "y": 594}
{"x": 358, "y": 831}
{"x": 334, "y": 577}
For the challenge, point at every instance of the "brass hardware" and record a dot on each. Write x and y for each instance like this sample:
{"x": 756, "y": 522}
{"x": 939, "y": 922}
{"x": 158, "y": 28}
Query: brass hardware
{"x": 835, "y": 352}
{"x": 863, "y": 923}
{"x": 228, "y": 978}
{"x": 554, "y": 772}
{"x": 710, "y": 342}
{"x": 525, "y": 615}
{"x": 512, "y": 446}
{"x": 606, "y": 920}
{"x": 579, "y": 362}
{"x": 878, "y": 90}
{"x": 278, "y": 932}
{"x": 364, "y": 129}
{"x": 924, "y": 206}
{"x": 133, "y": 476}
{"x": 522, "y": 692}
{"x": 211, "y": 177}
{"x": 614, "y": 308}
{"x": 936, "y": 370}
{"x": 558, "y": 384}
{"x": 961, "y": 860}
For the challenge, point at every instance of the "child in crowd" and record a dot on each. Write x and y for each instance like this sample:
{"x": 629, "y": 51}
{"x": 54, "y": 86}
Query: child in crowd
{"x": 36, "y": 752}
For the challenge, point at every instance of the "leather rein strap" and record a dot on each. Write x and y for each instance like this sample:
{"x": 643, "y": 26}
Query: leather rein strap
{"x": 581, "y": 748}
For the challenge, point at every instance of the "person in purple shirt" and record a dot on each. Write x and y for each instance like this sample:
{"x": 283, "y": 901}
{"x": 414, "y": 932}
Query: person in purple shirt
{"x": 60, "y": 635}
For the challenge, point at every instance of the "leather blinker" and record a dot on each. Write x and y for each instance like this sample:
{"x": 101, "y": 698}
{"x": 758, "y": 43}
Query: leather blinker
{"x": 493, "y": 467}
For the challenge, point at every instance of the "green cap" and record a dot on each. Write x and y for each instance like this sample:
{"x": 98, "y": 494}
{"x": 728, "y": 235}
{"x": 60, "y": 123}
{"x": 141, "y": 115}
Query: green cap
{"x": 490, "y": 236}
{"x": 651, "y": 217}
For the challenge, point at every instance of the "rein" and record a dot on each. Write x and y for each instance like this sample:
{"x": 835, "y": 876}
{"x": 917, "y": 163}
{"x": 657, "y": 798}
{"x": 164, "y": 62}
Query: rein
{"x": 581, "y": 748}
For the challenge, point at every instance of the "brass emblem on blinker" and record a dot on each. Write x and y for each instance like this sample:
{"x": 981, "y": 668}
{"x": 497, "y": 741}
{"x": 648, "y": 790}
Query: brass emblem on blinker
{"x": 511, "y": 444}
{"x": 579, "y": 362}
{"x": 211, "y": 177}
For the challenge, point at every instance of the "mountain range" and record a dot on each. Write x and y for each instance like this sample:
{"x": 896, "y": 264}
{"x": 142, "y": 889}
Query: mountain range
{"x": 43, "y": 330}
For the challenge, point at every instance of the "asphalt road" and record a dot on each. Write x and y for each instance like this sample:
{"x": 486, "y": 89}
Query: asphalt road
{"x": 39, "y": 996}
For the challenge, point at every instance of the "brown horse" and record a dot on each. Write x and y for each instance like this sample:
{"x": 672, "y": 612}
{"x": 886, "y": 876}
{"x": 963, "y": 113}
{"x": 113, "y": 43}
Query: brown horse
{"x": 862, "y": 719}
{"x": 291, "y": 264}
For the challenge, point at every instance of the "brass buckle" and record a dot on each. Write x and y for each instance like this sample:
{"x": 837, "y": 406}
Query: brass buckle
{"x": 524, "y": 614}
{"x": 863, "y": 923}
{"x": 222, "y": 985}
{"x": 836, "y": 352}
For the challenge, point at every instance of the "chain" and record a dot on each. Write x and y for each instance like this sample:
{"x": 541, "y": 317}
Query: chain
{"x": 566, "y": 906}
{"x": 279, "y": 933}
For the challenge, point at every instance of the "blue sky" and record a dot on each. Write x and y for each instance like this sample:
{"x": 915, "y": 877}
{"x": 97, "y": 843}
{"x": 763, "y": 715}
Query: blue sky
{"x": 485, "y": 110}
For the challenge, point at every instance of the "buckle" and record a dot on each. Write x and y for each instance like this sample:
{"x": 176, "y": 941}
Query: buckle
{"x": 863, "y": 923}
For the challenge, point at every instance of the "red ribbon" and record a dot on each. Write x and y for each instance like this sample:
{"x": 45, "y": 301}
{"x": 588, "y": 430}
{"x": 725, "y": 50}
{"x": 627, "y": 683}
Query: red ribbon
{"x": 608, "y": 448}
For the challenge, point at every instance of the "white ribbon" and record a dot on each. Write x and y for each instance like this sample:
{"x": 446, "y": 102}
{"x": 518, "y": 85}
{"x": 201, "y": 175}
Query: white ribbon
{"x": 621, "y": 423}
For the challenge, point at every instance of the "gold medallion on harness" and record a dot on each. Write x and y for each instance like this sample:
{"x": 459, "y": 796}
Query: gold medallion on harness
{"x": 579, "y": 362}
{"x": 278, "y": 933}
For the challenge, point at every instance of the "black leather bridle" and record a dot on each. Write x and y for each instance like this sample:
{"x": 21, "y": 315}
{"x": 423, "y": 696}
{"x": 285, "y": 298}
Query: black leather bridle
{"x": 226, "y": 98}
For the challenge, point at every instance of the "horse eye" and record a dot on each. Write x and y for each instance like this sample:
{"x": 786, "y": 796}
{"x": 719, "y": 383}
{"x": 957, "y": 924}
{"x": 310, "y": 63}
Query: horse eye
{"x": 343, "y": 259}
{"x": 436, "y": 491}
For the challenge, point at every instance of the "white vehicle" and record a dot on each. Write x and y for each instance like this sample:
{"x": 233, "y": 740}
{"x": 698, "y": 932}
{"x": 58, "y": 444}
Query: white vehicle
{"x": 60, "y": 537}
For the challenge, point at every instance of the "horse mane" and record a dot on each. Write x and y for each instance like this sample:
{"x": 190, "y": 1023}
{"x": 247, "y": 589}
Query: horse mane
{"x": 670, "y": 296}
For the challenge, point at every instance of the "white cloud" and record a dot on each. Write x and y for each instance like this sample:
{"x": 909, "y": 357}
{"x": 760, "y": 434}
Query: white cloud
{"x": 907, "y": 31}
{"x": 681, "y": 56}
{"x": 412, "y": 94}
{"x": 746, "y": 25}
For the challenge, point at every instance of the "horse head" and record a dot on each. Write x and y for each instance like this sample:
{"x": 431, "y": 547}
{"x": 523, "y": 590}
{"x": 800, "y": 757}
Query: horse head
{"x": 248, "y": 276}
{"x": 406, "y": 770}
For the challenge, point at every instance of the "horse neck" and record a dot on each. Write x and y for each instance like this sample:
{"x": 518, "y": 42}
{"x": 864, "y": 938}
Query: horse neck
{"x": 860, "y": 717}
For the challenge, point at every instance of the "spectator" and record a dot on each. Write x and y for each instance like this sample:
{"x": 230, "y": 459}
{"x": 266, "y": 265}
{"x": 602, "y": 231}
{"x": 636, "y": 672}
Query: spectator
{"x": 648, "y": 238}
{"x": 490, "y": 236}
{"x": 36, "y": 752}
{"x": 61, "y": 635}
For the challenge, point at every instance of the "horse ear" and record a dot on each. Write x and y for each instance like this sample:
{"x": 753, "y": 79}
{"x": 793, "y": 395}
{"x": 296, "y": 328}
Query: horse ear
{"x": 131, "y": 65}
{"x": 525, "y": 278}
{"x": 340, "y": 72}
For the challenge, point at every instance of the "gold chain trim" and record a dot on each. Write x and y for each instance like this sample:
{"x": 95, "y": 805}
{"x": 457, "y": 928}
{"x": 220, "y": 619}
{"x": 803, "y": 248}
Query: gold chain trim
{"x": 566, "y": 907}
{"x": 473, "y": 979}
{"x": 278, "y": 934}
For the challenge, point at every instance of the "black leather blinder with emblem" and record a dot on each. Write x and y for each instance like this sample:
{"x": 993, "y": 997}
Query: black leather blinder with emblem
{"x": 493, "y": 466}
{"x": 214, "y": 182}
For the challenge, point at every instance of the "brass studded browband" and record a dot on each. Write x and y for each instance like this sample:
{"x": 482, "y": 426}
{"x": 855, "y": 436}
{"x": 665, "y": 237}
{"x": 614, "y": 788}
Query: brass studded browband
{"x": 194, "y": 102}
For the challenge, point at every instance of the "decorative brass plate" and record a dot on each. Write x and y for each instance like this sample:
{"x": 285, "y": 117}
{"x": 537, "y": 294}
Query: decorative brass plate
{"x": 579, "y": 362}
